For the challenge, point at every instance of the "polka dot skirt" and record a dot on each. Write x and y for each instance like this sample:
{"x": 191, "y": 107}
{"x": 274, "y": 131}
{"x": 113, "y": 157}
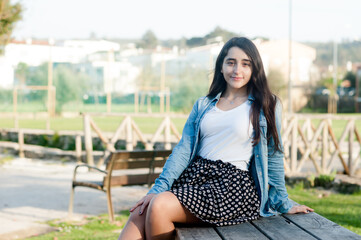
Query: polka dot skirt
{"x": 217, "y": 192}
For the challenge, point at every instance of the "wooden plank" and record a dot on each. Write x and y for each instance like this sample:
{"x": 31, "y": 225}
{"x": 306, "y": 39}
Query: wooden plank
{"x": 241, "y": 231}
{"x": 162, "y": 153}
{"x": 137, "y": 164}
{"x": 197, "y": 233}
{"x": 119, "y": 155}
{"x": 127, "y": 180}
{"x": 277, "y": 227}
{"x": 139, "y": 159}
{"x": 321, "y": 227}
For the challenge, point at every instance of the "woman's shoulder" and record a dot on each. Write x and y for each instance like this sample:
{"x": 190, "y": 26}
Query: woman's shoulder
{"x": 202, "y": 101}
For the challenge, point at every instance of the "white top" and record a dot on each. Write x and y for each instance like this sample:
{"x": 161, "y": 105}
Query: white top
{"x": 227, "y": 135}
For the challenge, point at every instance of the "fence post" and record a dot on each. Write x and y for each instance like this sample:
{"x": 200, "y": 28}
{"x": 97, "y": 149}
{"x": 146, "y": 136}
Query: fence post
{"x": 309, "y": 129}
{"x": 88, "y": 140}
{"x": 324, "y": 147}
{"x": 167, "y": 144}
{"x": 350, "y": 147}
{"x": 78, "y": 147}
{"x": 47, "y": 123}
{"x": 16, "y": 121}
{"x": 294, "y": 146}
{"x": 136, "y": 101}
{"x": 129, "y": 137}
{"x": 21, "y": 143}
{"x": 15, "y": 108}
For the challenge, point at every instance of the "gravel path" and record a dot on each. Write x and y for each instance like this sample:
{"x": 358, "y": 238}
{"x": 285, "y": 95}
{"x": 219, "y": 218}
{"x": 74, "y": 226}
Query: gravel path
{"x": 35, "y": 191}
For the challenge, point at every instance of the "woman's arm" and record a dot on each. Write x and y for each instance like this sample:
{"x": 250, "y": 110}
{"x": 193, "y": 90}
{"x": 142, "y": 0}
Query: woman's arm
{"x": 180, "y": 157}
{"x": 278, "y": 196}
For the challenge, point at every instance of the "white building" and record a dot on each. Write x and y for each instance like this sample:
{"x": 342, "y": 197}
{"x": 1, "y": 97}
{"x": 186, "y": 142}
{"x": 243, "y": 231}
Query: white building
{"x": 35, "y": 52}
{"x": 118, "y": 76}
{"x": 275, "y": 55}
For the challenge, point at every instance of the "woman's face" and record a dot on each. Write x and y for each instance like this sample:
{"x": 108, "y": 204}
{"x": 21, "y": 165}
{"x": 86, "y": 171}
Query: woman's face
{"x": 236, "y": 68}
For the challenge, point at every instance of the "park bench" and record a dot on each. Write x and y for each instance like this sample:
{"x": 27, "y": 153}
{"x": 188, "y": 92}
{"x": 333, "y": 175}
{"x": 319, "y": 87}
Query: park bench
{"x": 115, "y": 174}
{"x": 285, "y": 226}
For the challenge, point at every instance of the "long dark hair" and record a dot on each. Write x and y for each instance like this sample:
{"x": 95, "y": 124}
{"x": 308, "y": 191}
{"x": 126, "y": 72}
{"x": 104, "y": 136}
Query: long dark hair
{"x": 264, "y": 99}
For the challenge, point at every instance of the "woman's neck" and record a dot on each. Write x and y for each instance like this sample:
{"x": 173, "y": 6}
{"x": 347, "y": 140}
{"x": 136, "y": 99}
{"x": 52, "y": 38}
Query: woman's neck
{"x": 235, "y": 93}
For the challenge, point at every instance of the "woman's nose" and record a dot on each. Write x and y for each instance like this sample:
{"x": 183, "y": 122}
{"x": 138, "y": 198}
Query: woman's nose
{"x": 237, "y": 68}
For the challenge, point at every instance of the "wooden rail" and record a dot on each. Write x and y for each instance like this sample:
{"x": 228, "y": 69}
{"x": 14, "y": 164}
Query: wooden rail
{"x": 303, "y": 142}
{"x": 306, "y": 143}
{"x": 131, "y": 133}
{"x": 21, "y": 146}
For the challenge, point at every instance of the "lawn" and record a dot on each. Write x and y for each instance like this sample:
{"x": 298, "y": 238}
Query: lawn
{"x": 107, "y": 124}
{"x": 343, "y": 209}
{"x": 92, "y": 228}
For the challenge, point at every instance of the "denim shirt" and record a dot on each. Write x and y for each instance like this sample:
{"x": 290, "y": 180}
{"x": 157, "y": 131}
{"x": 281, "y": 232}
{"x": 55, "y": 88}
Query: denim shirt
{"x": 266, "y": 165}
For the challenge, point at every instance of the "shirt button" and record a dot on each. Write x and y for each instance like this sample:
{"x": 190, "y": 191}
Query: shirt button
{"x": 257, "y": 156}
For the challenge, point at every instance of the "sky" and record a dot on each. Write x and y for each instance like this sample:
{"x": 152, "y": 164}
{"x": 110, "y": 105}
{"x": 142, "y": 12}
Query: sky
{"x": 312, "y": 20}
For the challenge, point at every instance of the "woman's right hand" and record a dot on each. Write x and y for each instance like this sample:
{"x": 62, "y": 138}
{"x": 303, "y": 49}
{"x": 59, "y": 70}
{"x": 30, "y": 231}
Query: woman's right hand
{"x": 143, "y": 203}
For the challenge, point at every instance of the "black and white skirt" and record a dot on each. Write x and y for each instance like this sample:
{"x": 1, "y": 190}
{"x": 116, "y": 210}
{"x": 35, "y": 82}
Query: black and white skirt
{"x": 217, "y": 192}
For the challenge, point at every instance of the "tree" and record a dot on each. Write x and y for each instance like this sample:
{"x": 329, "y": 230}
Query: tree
{"x": 20, "y": 73}
{"x": 220, "y": 32}
{"x": 35, "y": 76}
{"x": 149, "y": 40}
{"x": 351, "y": 77}
{"x": 70, "y": 85}
{"x": 217, "y": 32}
{"x": 195, "y": 41}
{"x": 277, "y": 83}
{"x": 9, "y": 15}
{"x": 188, "y": 87}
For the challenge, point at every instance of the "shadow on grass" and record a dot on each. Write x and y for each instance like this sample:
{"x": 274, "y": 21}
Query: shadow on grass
{"x": 97, "y": 227}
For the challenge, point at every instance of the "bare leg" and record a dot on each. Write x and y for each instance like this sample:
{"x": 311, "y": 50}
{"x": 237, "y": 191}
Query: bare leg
{"x": 164, "y": 210}
{"x": 135, "y": 226}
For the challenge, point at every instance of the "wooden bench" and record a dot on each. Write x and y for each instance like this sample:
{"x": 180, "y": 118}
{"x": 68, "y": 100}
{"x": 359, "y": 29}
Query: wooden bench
{"x": 286, "y": 226}
{"x": 122, "y": 160}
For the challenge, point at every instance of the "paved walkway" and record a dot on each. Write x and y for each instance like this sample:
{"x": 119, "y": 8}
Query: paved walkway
{"x": 35, "y": 191}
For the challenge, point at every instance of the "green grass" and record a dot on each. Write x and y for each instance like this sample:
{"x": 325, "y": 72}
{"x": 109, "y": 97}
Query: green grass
{"x": 107, "y": 124}
{"x": 343, "y": 209}
{"x": 91, "y": 228}
{"x": 5, "y": 159}
{"x": 24, "y": 107}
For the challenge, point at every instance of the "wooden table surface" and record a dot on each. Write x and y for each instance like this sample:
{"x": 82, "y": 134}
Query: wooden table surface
{"x": 298, "y": 226}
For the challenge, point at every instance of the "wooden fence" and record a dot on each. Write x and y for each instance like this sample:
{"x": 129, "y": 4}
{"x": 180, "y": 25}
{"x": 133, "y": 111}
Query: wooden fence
{"x": 132, "y": 134}
{"x": 310, "y": 143}
{"x": 304, "y": 142}
{"x": 21, "y": 147}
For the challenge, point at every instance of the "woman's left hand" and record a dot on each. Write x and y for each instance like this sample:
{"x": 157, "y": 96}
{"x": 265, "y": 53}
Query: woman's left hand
{"x": 300, "y": 209}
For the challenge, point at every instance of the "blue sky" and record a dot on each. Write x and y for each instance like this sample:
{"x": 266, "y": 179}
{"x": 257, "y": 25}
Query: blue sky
{"x": 312, "y": 20}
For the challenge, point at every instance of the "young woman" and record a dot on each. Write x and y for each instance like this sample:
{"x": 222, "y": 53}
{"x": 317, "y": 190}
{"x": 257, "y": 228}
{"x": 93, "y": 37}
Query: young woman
{"x": 228, "y": 166}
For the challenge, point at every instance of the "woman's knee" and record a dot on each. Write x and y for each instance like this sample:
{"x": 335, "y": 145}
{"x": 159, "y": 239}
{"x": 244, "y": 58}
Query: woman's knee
{"x": 136, "y": 217}
{"x": 162, "y": 203}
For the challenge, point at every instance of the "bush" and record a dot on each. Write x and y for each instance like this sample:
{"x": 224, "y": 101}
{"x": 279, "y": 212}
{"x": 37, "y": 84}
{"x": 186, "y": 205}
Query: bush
{"x": 325, "y": 181}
